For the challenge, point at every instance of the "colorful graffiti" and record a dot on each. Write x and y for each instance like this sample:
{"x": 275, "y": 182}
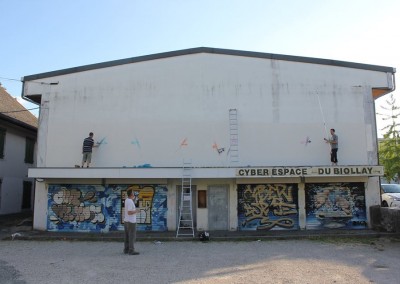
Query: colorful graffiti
{"x": 150, "y": 205}
{"x": 335, "y": 205}
{"x": 75, "y": 208}
{"x": 100, "y": 208}
{"x": 267, "y": 207}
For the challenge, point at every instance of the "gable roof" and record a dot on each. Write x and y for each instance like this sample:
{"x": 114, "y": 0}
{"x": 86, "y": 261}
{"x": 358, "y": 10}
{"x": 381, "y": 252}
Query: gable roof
{"x": 12, "y": 111}
{"x": 211, "y": 51}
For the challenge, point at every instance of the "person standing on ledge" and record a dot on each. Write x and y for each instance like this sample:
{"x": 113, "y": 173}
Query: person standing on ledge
{"x": 334, "y": 142}
{"x": 130, "y": 224}
{"x": 88, "y": 144}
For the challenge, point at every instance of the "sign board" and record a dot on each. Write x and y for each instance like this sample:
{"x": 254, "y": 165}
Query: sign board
{"x": 310, "y": 171}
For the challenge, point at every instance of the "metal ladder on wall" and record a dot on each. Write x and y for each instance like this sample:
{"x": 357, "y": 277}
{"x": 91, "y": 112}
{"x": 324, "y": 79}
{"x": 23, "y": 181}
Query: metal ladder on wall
{"x": 234, "y": 136}
{"x": 185, "y": 221}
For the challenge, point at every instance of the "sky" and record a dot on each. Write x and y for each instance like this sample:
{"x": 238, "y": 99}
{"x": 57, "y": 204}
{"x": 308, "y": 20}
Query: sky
{"x": 46, "y": 35}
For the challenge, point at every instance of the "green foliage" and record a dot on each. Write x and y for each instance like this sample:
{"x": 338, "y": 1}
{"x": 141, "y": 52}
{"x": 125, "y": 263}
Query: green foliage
{"x": 389, "y": 147}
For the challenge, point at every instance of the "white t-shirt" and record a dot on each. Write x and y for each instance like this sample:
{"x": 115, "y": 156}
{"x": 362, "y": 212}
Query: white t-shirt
{"x": 129, "y": 206}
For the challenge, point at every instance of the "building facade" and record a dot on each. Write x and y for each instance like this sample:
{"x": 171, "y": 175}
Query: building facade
{"x": 18, "y": 130}
{"x": 251, "y": 127}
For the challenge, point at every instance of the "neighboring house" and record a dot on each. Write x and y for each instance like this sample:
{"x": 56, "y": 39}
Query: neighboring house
{"x": 249, "y": 127}
{"x": 18, "y": 131}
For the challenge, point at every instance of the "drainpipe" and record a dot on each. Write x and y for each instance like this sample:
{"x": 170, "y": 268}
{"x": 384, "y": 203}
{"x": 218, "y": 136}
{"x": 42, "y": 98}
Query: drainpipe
{"x": 25, "y": 98}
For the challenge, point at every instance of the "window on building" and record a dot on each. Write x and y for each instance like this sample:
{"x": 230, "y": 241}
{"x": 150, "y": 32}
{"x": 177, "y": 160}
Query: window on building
{"x": 202, "y": 199}
{"x": 2, "y": 142}
{"x": 29, "y": 150}
{"x": 0, "y": 192}
{"x": 27, "y": 195}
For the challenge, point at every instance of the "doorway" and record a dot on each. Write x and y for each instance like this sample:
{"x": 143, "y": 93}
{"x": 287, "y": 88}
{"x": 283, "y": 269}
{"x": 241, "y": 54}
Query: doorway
{"x": 218, "y": 213}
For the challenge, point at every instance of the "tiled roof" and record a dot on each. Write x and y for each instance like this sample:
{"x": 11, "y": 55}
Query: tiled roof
{"x": 11, "y": 108}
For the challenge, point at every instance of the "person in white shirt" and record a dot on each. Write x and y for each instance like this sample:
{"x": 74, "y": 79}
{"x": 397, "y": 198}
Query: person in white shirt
{"x": 334, "y": 142}
{"x": 130, "y": 224}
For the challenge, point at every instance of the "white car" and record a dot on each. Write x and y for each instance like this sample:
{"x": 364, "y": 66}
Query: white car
{"x": 390, "y": 195}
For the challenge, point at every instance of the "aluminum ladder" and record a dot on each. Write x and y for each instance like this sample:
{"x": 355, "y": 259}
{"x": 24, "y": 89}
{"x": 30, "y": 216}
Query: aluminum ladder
{"x": 234, "y": 136}
{"x": 185, "y": 221}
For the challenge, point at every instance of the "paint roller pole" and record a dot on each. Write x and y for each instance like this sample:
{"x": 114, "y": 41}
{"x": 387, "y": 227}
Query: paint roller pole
{"x": 322, "y": 114}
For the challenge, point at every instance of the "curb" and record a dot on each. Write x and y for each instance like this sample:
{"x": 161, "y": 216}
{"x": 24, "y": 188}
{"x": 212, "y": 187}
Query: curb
{"x": 32, "y": 235}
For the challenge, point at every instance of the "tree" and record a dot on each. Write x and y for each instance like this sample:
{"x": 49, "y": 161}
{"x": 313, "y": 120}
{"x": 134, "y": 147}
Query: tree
{"x": 389, "y": 147}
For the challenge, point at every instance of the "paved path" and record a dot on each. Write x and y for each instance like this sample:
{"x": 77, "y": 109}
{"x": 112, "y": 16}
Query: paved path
{"x": 273, "y": 261}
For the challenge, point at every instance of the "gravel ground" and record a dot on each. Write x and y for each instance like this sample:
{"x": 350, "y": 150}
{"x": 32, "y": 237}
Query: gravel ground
{"x": 286, "y": 261}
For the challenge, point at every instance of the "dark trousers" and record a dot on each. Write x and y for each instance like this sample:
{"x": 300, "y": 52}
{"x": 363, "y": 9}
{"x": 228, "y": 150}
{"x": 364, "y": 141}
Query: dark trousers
{"x": 130, "y": 237}
{"x": 334, "y": 155}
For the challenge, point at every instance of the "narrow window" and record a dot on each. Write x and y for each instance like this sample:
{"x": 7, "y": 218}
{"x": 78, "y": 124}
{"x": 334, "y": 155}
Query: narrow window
{"x": 0, "y": 192}
{"x": 2, "y": 142}
{"x": 29, "y": 150}
{"x": 202, "y": 199}
{"x": 27, "y": 195}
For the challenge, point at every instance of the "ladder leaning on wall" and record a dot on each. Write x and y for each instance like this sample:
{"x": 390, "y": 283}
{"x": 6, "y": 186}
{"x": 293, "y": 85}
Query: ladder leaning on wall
{"x": 234, "y": 136}
{"x": 185, "y": 221}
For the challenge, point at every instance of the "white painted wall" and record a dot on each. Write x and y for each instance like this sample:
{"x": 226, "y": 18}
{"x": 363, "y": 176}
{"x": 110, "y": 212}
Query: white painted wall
{"x": 13, "y": 170}
{"x": 160, "y": 103}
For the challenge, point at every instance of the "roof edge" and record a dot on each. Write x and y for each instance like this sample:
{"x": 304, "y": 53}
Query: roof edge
{"x": 212, "y": 51}
{"x": 18, "y": 123}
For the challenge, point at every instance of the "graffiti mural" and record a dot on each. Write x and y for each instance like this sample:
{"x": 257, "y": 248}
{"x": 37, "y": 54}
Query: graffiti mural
{"x": 151, "y": 200}
{"x": 99, "y": 208}
{"x": 267, "y": 207}
{"x": 335, "y": 205}
{"x": 73, "y": 207}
